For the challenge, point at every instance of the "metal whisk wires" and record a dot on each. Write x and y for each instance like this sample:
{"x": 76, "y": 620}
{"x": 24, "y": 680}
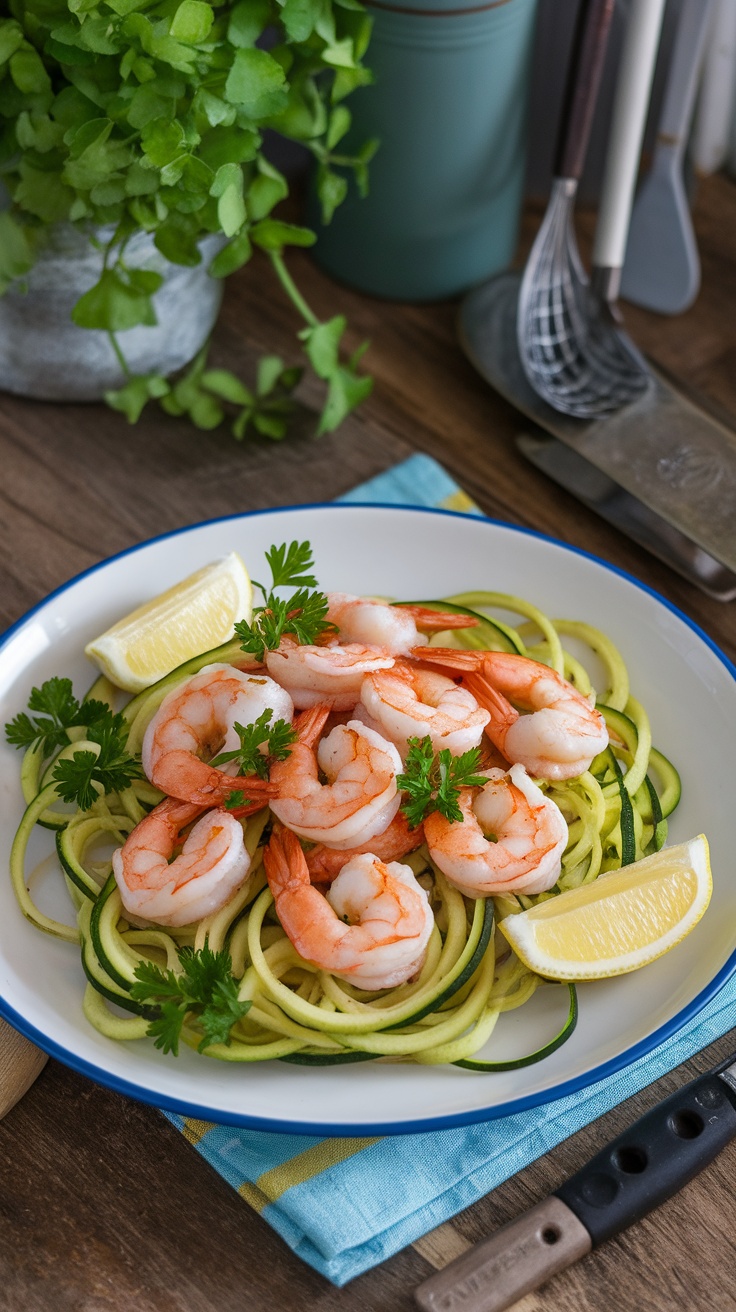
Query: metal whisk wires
{"x": 573, "y": 354}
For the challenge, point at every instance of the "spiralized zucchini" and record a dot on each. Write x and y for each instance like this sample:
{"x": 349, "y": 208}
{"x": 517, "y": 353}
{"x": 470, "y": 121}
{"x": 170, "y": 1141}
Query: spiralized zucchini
{"x": 616, "y": 812}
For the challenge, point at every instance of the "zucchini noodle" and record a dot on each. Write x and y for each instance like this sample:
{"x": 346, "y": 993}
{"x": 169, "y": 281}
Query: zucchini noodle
{"x": 616, "y": 812}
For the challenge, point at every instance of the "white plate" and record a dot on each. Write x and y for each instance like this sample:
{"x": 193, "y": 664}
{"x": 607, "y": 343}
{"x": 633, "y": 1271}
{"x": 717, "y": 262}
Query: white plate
{"x": 686, "y": 684}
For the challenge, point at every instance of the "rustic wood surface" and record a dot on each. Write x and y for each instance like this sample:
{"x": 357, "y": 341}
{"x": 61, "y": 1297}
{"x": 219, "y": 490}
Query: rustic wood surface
{"x": 104, "y": 1207}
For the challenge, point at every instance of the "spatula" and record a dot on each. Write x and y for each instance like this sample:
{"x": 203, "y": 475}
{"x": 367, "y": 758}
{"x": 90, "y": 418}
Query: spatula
{"x": 661, "y": 267}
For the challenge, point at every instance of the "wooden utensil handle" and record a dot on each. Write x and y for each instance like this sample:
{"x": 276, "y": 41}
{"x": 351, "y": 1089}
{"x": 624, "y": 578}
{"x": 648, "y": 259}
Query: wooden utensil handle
{"x": 20, "y": 1063}
{"x": 584, "y": 78}
{"x": 496, "y": 1273}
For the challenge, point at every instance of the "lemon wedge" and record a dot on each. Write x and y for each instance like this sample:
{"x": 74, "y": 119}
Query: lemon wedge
{"x": 622, "y": 921}
{"x": 192, "y": 617}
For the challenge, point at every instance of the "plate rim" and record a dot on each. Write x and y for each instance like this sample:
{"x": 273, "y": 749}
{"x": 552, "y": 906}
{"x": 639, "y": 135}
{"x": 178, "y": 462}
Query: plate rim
{"x": 184, "y": 1107}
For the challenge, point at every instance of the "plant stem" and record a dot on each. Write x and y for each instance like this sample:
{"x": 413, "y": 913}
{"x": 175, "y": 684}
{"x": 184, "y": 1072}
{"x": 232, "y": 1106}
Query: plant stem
{"x": 292, "y": 291}
{"x": 120, "y": 357}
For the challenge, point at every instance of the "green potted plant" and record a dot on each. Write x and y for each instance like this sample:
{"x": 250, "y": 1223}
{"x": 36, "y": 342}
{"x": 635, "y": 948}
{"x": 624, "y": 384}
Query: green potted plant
{"x": 132, "y": 156}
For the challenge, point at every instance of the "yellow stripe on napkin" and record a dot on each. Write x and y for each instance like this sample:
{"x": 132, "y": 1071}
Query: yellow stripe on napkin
{"x": 320, "y": 1157}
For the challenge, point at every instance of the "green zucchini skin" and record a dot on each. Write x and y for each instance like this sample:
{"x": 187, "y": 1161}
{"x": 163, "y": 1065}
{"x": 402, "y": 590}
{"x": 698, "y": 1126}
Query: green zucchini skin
{"x": 533, "y": 1057}
{"x": 72, "y": 867}
{"x": 98, "y": 938}
{"x": 506, "y": 639}
{"x": 339, "y": 1059}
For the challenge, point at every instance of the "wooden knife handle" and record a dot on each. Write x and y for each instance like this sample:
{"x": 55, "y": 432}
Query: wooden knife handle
{"x": 20, "y": 1063}
{"x": 497, "y": 1272}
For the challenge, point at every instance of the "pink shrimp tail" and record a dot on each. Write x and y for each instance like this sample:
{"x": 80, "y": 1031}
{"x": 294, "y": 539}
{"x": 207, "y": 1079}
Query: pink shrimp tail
{"x": 450, "y": 657}
{"x": 284, "y": 862}
{"x": 503, "y": 714}
{"x": 310, "y": 723}
{"x": 217, "y": 787}
{"x": 325, "y": 863}
{"x": 438, "y": 620}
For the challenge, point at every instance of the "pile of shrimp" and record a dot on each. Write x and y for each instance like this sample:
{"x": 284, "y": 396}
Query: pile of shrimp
{"x": 341, "y": 919}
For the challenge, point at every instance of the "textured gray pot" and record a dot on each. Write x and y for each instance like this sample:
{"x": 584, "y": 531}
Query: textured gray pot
{"x": 43, "y": 354}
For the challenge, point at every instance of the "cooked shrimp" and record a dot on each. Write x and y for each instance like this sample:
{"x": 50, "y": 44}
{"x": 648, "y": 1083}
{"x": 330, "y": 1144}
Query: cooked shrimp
{"x": 563, "y": 731}
{"x": 195, "y": 722}
{"x": 398, "y": 840}
{"x": 528, "y": 830}
{"x": 371, "y": 928}
{"x": 361, "y": 796}
{"x": 212, "y": 864}
{"x": 410, "y": 702}
{"x": 393, "y": 628}
{"x": 332, "y": 673}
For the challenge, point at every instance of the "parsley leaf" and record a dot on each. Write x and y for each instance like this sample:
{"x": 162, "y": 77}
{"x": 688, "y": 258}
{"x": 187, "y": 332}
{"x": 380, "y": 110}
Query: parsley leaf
{"x": 235, "y": 799}
{"x": 288, "y": 565}
{"x": 87, "y": 775}
{"x": 204, "y": 989}
{"x": 302, "y": 617}
{"x": 433, "y": 780}
{"x": 276, "y": 738}
{"x": 60, "y": 711}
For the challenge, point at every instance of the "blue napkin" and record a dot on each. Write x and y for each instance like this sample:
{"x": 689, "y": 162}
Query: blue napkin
{"x": 344, "y": 1205}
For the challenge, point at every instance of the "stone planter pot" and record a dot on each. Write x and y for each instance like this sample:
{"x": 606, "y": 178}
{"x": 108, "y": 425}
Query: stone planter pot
{"x": 43, "y": 354}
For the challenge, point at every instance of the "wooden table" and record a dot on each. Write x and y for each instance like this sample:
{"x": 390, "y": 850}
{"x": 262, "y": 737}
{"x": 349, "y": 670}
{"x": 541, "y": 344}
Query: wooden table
{"x": 104, "y": 1207}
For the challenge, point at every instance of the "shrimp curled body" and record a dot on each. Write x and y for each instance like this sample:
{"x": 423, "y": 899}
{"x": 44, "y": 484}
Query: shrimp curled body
{"x": 212, "y": 864}
{"x": 561, "y": 733}
{"x": 360, "y": 797}
{"x": 409, "y": 702}
{"x": 196, "y": 720}
{"x": 529, "y": 830}
{"x": 393, "y": 628}
{"x": 373, "y": 926}
{"x": 331, "y": 674}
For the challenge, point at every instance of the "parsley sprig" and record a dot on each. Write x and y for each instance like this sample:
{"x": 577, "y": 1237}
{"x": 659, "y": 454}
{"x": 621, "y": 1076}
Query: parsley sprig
{"x": 301, "y": 617}
{"x": 60, "y": 711}
{"x": 86, "y": 776}
{"x": 433, "y": 780}
{"x": 276, "y": 738}
{"x": 83, "y": 777}
{"x": 204, "y": 990}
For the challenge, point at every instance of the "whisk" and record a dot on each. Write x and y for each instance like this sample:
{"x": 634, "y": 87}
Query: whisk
{"x": 571, "y": 346}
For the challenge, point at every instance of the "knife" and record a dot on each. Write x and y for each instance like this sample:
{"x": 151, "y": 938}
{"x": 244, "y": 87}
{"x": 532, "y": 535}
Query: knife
{"x": 627, "y": 513}
{"x": 631, "y": 1176}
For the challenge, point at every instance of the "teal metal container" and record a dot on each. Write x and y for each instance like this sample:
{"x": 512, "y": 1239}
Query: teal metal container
{"x": 449, "y": 105}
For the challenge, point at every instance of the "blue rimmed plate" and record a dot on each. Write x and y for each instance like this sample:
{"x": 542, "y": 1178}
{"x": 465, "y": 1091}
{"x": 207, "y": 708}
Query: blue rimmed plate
{"x": 685, "y": 682}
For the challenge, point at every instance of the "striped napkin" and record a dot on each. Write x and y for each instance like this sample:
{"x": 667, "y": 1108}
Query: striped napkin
{"x": 345, "y": 1205}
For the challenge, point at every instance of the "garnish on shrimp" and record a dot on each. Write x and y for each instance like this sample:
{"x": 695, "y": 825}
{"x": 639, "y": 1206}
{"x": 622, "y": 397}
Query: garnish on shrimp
{"x": 527, "y": 830}
{"x": 303, "y": 617}
{"x": 197, "y": 720}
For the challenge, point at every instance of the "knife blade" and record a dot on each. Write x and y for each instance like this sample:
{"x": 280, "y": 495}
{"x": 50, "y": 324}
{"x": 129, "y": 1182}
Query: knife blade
{"x": 627, "y": 513}
{"x": 652, "y": 1160}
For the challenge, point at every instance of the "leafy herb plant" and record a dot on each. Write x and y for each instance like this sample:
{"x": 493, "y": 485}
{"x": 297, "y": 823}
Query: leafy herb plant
{"x": 122, "y": 116}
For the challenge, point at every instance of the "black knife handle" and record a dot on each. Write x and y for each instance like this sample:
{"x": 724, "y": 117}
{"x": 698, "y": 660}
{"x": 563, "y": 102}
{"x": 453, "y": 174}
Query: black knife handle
{"x": 654, "y": 1158}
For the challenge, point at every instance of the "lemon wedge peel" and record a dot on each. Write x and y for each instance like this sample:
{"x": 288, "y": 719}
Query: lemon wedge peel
{"x": 624, "y": 920}
{"x": 192, "y": 617}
